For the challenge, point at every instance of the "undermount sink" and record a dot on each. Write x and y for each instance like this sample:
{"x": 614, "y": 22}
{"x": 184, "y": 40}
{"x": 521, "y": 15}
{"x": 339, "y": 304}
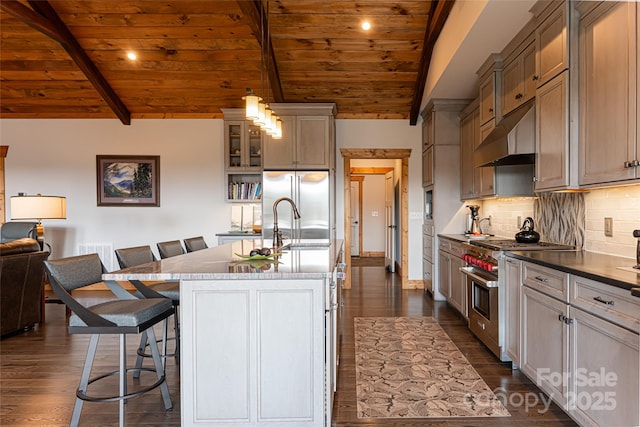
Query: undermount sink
{"x": 305, "y": 245}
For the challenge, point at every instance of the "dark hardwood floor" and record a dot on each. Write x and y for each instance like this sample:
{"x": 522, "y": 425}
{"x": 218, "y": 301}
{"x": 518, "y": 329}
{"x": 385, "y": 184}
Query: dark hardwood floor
{"x": 40, "y": 369}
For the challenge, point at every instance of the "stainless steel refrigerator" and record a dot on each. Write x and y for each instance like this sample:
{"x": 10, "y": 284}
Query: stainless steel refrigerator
{"x": 311, "y": 192}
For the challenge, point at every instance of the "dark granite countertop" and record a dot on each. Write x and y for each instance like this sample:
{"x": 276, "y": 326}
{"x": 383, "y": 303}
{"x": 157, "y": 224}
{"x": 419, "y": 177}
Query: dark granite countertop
{"x": 456, "y": 237}
{"x": 600, "y": 267}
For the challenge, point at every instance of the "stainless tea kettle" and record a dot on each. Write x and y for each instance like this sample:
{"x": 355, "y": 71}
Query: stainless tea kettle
{"x": 527, "y": 234}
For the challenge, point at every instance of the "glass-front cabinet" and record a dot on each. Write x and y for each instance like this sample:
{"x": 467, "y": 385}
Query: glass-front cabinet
{"x": 243, "y": 157}
{"x": 243, "y": 146}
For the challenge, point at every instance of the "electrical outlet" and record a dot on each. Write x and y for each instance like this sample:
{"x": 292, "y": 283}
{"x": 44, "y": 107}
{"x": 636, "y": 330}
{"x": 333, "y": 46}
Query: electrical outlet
{"x": 519, "y": 221}
{"x": 608, "y": 226}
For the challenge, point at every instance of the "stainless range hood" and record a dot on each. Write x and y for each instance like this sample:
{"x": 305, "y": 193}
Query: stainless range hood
{"x": 511, "y": 142}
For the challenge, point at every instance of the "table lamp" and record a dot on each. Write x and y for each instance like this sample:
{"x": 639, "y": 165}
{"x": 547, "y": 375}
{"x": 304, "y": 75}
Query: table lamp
{"x": 38, "y": 207}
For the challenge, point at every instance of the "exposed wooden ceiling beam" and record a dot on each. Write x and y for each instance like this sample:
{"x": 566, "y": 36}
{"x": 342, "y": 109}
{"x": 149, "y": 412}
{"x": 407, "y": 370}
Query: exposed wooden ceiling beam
{"x": 440, "y": 10}
{"x": 256, "y": 17}
{"x": 45, "y": 19}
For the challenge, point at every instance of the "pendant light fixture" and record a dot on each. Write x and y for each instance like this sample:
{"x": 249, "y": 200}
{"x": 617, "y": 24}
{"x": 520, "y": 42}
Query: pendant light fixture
{"x": 255, "y": 109}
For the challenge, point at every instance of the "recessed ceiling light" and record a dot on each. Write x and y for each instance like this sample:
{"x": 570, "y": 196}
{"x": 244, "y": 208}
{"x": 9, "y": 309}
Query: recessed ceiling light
{"x": 132, "y": 56}
{"x": 366, "y": 25}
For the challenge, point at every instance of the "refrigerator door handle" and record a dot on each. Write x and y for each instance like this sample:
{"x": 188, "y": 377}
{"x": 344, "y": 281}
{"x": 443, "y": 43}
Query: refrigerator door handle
{"x": 296, "y": 223}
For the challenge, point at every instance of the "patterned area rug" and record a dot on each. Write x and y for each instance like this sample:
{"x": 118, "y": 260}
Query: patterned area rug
{"x": 408, "y": 367}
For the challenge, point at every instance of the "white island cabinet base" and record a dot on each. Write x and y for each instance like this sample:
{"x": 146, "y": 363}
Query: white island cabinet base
{"x": 253, "y": 352}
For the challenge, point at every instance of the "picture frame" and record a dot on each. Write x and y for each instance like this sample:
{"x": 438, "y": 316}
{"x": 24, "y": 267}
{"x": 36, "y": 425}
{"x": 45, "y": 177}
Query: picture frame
{"x": 124, "y": 180}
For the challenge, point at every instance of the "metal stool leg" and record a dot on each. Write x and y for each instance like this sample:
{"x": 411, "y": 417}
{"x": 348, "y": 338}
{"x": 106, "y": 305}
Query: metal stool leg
{"x": 123, "y": 376}
{"x": 140, "y": 358}
{"x": 84, "y": 379}
{"x": 159, "y": 369}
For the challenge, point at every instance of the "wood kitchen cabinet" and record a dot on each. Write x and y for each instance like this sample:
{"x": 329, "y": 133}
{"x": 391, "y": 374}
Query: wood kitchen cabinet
{"x": 475, "y": 182}
{"x": 440, "y": 170}
{"x": 609, "y": 92}
{"x": 580, "y": 345}
{"x": 451, "y": 281}
{"x": 242, "y": 157}
{"x": 518, "y": 79}
{"x": 242, "y": 142}
{"x": 552, "y": 45}
{"x": 614, "y": 403}
{"x": 545, "y": 343}
{"x": 490, "y": 74}
{"x": 308, "y": 138}
{"x": 513, "y": 294}
{"x": 552, "y": 167}
{"x": 444, "y": 274}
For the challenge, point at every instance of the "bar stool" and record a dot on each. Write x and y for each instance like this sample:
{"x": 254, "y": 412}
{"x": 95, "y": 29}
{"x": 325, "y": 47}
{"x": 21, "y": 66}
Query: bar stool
{"x": 170, "y": 249}
{"x": 120, "y": 317}
{"x": 133, "y": 256}
{"x": 195, "y": 244}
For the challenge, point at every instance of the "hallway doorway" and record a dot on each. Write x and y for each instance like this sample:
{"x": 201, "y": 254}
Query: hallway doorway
{"x": 401, "y": 155}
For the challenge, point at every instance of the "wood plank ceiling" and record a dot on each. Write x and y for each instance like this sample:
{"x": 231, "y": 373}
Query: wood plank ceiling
{"x": 68, "y": 58}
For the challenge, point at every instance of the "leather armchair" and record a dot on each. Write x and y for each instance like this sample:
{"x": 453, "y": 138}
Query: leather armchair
{"x": 21, "y": 279}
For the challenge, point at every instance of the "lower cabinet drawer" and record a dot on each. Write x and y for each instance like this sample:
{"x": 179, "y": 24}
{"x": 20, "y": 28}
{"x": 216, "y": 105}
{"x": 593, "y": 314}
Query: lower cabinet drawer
{"x": 611, "y": 303}
{"x": 546, "y": 280}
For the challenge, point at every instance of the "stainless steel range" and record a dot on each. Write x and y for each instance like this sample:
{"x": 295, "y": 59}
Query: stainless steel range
{"x": 486, "y": 289}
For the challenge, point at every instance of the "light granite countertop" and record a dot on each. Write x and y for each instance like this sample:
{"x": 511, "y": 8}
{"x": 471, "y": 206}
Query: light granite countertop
{"x": 223, "y": 263}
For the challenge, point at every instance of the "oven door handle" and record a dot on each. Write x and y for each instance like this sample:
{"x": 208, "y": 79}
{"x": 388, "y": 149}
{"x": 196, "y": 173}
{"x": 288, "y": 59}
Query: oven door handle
{"x": 481, "y": 280}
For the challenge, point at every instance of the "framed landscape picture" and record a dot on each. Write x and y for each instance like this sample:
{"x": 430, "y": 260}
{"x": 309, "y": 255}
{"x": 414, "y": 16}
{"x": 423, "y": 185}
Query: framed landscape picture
{"x": 128, "y": 180}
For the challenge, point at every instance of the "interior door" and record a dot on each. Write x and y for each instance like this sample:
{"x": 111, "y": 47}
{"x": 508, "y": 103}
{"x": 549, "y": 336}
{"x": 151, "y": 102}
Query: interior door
{"x": 390, "y": 223}
{"x": 355, "y": 218}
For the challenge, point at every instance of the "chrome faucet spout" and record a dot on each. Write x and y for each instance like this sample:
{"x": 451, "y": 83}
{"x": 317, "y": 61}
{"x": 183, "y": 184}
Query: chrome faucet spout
{"x": 277, "y": 234}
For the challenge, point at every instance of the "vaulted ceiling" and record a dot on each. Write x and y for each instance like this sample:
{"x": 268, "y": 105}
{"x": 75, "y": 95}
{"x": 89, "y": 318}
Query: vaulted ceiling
{"x": 68, "y": 58}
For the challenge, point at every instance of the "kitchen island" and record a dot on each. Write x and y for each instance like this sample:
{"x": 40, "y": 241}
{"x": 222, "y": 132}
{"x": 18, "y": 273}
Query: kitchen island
{"x": 258, "y": 338}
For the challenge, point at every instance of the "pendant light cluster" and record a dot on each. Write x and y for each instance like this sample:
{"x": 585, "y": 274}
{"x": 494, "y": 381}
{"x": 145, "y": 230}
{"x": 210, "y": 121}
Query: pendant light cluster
{"x": 256, "y": 110}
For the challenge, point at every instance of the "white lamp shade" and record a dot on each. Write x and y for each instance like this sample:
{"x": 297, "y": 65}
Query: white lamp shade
{"x": 38, "y": 207}
{"x": 267, "y": 120}
{"x": 260, "y": 120}
{"x": 278, "y": 133}
{"x": 251, "y": 106}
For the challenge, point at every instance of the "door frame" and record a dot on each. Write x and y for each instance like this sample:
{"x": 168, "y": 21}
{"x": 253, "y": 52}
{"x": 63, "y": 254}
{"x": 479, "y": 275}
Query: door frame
{"x": 359, "y": 179}
{"x": 378, "y": 153}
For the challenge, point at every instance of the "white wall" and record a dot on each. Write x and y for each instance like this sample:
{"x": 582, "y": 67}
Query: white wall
{"x": 58, "y": 157}
{"x": 373, "y": 229}
{"x": 386, "y": 134}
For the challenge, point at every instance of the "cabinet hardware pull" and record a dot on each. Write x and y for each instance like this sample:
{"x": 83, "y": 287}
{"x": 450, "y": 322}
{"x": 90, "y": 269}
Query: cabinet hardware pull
{"x": 535, "y": 78}
{"x": 568, "y": 320}
{"x": 562, "y": 318}
{"x": 603, "y": 301}
{"x": 541, "y": 279}
{"x": 491, "y": 110}
{"x": 519, "y": 96}
{"x": 481, "y": 324}
{"x": 631, "y": 164}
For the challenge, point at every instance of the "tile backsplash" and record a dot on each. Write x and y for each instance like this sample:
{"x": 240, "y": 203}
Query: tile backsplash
{"x": 622, "y": 204}
{"x": 504, "y": 215}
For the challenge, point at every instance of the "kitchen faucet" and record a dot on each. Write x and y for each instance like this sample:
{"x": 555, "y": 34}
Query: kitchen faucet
{"x": 277, "y": 234}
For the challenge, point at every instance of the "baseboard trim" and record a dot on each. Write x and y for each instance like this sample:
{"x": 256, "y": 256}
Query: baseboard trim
{"x": 371, "y": 254}
{"x": 415, "y": 284}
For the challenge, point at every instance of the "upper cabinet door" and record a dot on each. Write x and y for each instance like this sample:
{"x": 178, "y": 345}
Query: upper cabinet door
{"x": 243, "y": 146}
{"x": 608, "y": 91}
{"x": 313, "y": 143}
{"x": 487, "y": 99}
{"x": 280, "y": 153}
{"x": 518, "y": 80}
{"x": 551, "y": 46}
{"x": 552, "y": 135}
